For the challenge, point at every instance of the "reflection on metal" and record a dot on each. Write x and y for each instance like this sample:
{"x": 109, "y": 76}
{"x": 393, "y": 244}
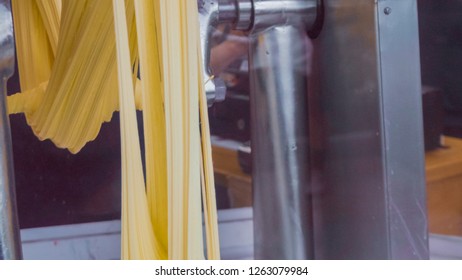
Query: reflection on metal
{"x": 212, "y": 13}
{"x": 370, "y": 195}
{"x": 279, "y": 135}
{"x": 279, "y": 109}
{"x": 246, "y": 15}
{"x": 271, "y": 13}
{"x": 10, "y": 247}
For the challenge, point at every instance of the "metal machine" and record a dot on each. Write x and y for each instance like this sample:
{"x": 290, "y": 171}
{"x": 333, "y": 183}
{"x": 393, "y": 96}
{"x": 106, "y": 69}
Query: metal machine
{"x": 278, "y": 66}
{"x": 336, "y": 135}
{"x": 336, "y": 117}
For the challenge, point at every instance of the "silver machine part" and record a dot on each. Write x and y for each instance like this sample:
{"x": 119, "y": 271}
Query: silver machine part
{"x": 281, "y": 196}
{"x": 280, "y": 146}
{"x": 244, "y": 15}
{"x": 278, "y": 66}
{"x": 212, "y": 13}
{"x": 367, "y": 200}
{"x": 272, "y": 13}
{"x": 10, "y": 241}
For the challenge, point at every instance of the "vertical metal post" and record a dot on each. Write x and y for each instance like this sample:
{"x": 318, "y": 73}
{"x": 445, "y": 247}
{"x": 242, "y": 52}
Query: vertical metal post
{"x": 10, "y": 241}
{"x": 370, "y": 203}
{"x": 279, "y": 110}
{"x": 401, "y": 89}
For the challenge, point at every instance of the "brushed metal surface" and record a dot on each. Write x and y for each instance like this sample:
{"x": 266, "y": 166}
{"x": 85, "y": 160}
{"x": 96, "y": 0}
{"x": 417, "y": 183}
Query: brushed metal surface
{"x": 370, "y": 189}
{"x": 10, "y": 246}
{"x": 403, "y": 127}
{"x": 270, "y": 13}
{"x": 280, "y": 145}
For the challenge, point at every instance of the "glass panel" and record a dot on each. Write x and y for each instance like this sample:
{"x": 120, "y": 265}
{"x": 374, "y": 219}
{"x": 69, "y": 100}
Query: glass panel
{"x": 351, "y": 167}
{"x": 55, "y": 187}
{"x": 230, "y": 120}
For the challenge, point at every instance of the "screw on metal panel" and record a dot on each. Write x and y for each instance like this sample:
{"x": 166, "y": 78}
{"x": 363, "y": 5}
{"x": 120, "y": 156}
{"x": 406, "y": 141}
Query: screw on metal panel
{"x": 387, "y": 10}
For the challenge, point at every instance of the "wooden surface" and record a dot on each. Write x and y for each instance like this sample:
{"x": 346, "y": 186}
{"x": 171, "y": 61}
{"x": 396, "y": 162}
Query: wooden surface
{"x": 225, "y": 162}
{"x": 228, "y": 173}
{"x": 444, "y": 184}
{"x": 445, "y": 162}
{"x": 444, "y": 188}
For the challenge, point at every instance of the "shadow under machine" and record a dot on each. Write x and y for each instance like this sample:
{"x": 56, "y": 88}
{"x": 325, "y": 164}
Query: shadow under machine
{"x": 336, "y": 128}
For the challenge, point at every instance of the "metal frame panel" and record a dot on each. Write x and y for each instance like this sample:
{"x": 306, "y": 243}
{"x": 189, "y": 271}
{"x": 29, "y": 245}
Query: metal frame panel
{"x": 10, "y": 247}
{"x": 369, "y": 188}
{"x": 402, "y": 128}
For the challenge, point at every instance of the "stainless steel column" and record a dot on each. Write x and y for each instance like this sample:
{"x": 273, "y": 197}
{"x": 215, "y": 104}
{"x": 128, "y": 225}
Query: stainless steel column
{"x": 279, "y": 110}
{"x": 10, "y": 241}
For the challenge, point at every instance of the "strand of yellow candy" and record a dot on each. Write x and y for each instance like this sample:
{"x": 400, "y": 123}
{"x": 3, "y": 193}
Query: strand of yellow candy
{"x": 75, "y": 71}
